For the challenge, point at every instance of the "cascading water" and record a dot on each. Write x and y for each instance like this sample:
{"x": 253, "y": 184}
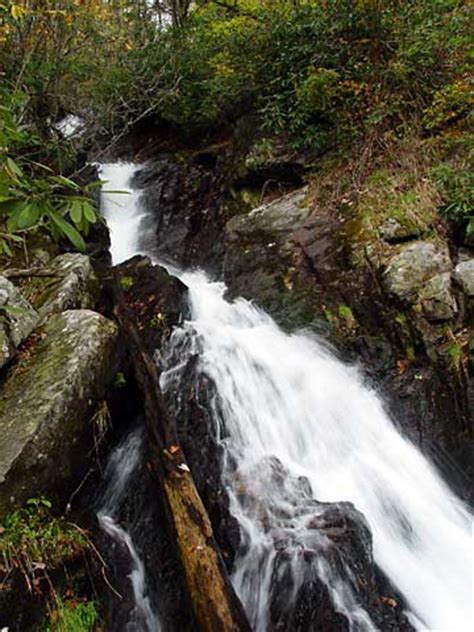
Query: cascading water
{"x": 288, "y": 397}
{"x": 120, "y": 205}
{"x": 285, "y": 401}
{"x": 120, "y": 467}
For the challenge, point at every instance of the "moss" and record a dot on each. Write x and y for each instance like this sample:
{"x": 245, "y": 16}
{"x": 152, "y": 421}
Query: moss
{"x": 37, "y": 289}
{"x": 47, "y": 394}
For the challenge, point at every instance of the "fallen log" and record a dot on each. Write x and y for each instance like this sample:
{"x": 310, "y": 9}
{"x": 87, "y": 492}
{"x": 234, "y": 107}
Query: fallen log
{"x": 214, "y": 601}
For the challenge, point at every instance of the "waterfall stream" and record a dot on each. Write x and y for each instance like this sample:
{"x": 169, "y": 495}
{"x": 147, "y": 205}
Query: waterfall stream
{"x": 122, "y": 463}
{"x": 285, "y": 404}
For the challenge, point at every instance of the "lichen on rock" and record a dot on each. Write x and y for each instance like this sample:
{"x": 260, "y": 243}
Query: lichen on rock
{"x": 464, "y": 275}
{"x": 76, "y": 287}
{"x": 413, "y": 266}
{"x": 17, "y": 319}
{"x": 47, "y": 398}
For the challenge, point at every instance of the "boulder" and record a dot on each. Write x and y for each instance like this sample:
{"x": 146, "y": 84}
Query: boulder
{"x": 77, "y": 286}
{"x": 17, "y": 319}
{"x": 464, "y": 276}
{"x": 413, "y": 266}
{"x": 437, "y": 298}
{"x": 46, "y": 403}
{"x": 280, "y": 216}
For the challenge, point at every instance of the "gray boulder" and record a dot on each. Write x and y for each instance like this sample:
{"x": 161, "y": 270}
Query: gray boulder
{"x": 414, "y": 265}
{"x": 280, "y": 216}
{"x": 76, "y": 288}
{"x": 17, "y": 319}
{"x": 437, "y": 298}
{"x": 46, "y": 403}
{"x": 464, "y": 276}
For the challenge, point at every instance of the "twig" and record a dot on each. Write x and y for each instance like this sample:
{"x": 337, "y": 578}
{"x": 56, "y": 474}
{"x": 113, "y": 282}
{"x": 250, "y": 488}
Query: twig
{"x": 99, "y": 556}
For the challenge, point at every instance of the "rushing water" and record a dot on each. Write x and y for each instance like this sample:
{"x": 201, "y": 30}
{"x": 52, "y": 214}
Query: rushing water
{"x": 120, "y": 205}
{"x": 285, "y": 401}
{"x": 120, "y": 468}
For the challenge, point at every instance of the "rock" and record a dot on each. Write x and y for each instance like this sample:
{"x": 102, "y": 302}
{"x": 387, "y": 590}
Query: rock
{"x": 182, "y": 203}
{"x": 17, "y": 319}
{"x": 464, "y": 276}
{"x": 437, "y": 298}
{"x": 282, "y": 215}
{"x": 413, "y": 266}
{"x": 77, "y": 289}
{"x": 392, "y": 231}
{"x": 270, "y": 159}
{"x": 46, "y": 403}
{"x": 158, "y": 299}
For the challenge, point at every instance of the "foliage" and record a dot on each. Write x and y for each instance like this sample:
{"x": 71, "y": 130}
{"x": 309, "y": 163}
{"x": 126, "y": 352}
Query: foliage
{"x": 323, "y": 72}
{"x": 35, "y": 543}
{"x": 32, "y": 537}
{"x": 455, "y": 178}
{"x": 73, "y": 616}
{"x": 32, "y": 196}
{"x": 320, "y": 72}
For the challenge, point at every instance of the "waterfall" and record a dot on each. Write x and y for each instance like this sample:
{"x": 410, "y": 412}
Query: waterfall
{"x": 122, "y": 463}
{"x": 288, "y": 397}
{"x": 120, "y": 205}
{"x": 285, "y": 402}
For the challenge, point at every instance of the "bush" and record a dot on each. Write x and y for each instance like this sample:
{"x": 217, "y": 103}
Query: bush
{"x": 313, "y": 70}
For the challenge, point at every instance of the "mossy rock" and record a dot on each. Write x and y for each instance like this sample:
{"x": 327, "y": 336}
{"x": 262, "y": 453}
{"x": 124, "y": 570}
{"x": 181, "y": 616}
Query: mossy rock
{"x": 46, "y": 402}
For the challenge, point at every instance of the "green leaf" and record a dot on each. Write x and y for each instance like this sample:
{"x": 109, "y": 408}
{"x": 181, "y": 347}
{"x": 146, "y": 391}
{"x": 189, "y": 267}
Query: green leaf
{"x": 13, "y": 169}
{"x": 89, "y": 212}
{"x": 68, "y": 230}
{"x": 94, "y": 185}
{"x": 16, "y": 238}
{"x": 75, "y": 212}
{"x": 4, "y": 247}
{"x": 29, "y": 216}
{"x": 15, "y": 209}
{"x": 66, "y": 182}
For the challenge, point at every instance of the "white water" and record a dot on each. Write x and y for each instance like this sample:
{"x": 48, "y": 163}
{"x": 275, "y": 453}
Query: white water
{"x": 121, "y": 209}
{"x": 287, "y": 396}
{"x": 120, "y": 467}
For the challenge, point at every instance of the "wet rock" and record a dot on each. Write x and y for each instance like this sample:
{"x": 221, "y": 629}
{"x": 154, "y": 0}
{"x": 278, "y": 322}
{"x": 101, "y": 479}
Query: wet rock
{"x": 413, "y": 266}
{"x": 157, "y": 298}
{"x": 46, "y": 402}
{"x": 437, "y": 298}
{"x": 189, "y": 400}
{"x": 17, "y": 319}
{"x": 281, "y": 215}
{"x": 335, "y": 545}
{"x": 76, "y": 287}
{"x": 464, "y": 276}
{"x": 183, "y": 201}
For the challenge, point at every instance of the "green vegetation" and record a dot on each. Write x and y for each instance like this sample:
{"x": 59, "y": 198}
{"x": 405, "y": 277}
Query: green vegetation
{"x": 33, "y": 538}
{"x": 126, "y": 282}
{"x": 35, "y": 544}
{"x": 322, "y": 74}
{"x": 73, "y": 616}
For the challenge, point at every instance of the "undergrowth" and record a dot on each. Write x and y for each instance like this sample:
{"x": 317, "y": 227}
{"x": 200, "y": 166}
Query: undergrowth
{"x": 36, "y": 546}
